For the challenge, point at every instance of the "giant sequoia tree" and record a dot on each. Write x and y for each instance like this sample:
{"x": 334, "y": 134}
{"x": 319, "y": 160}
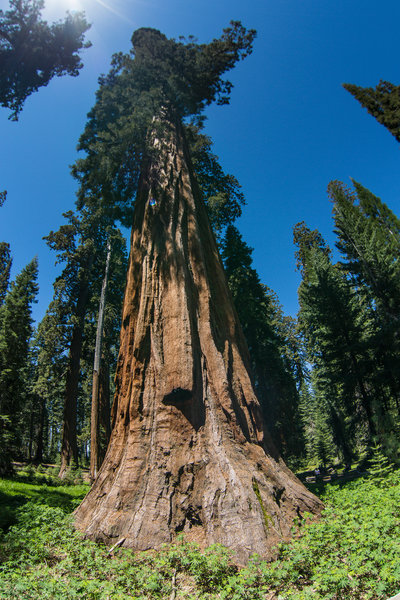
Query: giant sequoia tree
{"x": 188, "y": 452}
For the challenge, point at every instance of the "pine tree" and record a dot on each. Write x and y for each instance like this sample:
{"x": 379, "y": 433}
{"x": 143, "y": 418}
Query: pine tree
{"x": 81, "y": 244}
{"x": 5, "y": 260}
{"x": 5, "y": 268}
{"x": 379, "y": 466}
{"x": 369, "y": 241}
{"x": 50, "y": 346}
{"x": 75, "y": 246}
{"x": 112, "y": 292}
{"x": 316, "y": 412}
{"x": 382, "y": 102}
{"x": 335, "y": 324}
{"x": 15, "y": 334}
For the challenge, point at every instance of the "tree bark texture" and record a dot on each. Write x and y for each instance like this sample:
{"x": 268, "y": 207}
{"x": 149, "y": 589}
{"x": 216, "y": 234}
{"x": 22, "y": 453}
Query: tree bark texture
{"x": 104, "y": 409}
{"x": 188, "y": 452}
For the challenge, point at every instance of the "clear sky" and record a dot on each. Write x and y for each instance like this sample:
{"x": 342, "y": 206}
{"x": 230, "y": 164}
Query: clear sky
{"x": 289, "y": 130}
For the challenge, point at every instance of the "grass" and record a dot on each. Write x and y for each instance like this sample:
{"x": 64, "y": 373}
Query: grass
{"x": 14, "y": 493}
{"x": 353, "y": 552}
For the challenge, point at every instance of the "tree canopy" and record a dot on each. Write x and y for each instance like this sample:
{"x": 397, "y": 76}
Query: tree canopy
{"x": 32, "y": 52}
{"x": 382, "y": 102}
{"x": 159, "y": 76}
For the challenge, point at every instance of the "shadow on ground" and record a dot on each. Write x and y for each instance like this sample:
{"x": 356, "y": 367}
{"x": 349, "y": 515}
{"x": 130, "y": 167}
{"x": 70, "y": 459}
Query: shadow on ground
{"x": 14, "y": 494}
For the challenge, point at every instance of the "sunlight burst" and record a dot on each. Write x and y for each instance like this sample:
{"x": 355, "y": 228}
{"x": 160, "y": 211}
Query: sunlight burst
{"x": 60, "y": 7}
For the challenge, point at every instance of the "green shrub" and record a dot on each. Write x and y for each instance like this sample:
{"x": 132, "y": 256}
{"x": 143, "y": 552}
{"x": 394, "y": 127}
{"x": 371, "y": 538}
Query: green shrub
{"x": 352, "y": 552}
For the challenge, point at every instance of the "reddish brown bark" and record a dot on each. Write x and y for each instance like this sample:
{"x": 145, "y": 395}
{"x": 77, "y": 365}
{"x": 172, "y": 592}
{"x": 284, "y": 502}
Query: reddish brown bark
{"x": 188, "y": 452}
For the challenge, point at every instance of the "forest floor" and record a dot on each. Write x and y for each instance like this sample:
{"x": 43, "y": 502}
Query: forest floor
{"x": 352, "y": 552}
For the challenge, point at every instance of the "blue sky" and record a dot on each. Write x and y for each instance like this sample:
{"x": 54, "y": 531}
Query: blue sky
{"x": 289, "y": 130}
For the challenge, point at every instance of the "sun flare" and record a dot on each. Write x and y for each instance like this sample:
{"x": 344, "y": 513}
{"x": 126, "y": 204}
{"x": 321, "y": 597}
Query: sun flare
{"x": 57, "y": 8}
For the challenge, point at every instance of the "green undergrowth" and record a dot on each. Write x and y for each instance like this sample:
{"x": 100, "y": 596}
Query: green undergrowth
{"x": 352, "y": 552}
{"x": 15, "y": 493}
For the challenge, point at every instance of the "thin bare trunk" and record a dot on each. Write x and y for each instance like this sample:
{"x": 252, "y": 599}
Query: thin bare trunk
{"x": 188, "y": 452}
{"x": 94, "y": 422}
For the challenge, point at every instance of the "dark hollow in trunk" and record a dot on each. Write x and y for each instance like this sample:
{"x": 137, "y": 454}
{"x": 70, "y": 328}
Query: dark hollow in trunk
{"x": 188, "y": 452}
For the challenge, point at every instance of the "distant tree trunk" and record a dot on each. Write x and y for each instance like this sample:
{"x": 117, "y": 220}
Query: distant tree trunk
{"x": 69, "y": 446}
{"x": 31, "y": 432}
{"x": 104, "y": 409}
{"x": 40, "y": 434}
{"x": 188, "y": 452}
{"x": 94, "y": 421}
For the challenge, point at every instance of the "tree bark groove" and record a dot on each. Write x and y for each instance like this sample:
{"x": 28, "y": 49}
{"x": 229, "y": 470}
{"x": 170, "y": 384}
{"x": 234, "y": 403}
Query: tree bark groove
{"x": 188, "y": 452}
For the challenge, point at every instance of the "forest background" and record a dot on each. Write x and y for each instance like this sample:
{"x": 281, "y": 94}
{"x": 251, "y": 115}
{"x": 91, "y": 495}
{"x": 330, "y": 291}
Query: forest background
{"x": 347, "y": 328}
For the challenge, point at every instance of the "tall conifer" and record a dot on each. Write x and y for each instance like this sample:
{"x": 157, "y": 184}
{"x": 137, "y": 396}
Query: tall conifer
{"x": 335, "y": 325}
{"x": 382, "y": 102}
{"x": 15, "y": 334}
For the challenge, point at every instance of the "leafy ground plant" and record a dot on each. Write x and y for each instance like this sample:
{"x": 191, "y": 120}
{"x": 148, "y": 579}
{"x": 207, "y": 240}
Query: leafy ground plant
{"x": 14, "y": 493}
{"x": 352, "y": 552}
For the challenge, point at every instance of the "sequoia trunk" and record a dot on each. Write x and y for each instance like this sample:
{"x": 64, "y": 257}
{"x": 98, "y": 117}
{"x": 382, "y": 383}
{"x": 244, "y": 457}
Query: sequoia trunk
{"x": 188, "y": 452}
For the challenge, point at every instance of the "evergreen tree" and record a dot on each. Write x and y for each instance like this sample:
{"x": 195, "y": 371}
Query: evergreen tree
{"x": 33, "y": 52}
{"x": 81, "y": 245}
{"x": 75, "y": 245}
{"x": 15, "y": 334}
{"x": 50, "y": 346}
{"x": 369, "y": 241}
{"x": 316, "y": 413}
{"x": 5, "y": 260}
{"x": 109, "y": 350}
{"x": 5, "y": 268}
{"x": 336, "y": 327}
{"x": 382, "y": 102}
